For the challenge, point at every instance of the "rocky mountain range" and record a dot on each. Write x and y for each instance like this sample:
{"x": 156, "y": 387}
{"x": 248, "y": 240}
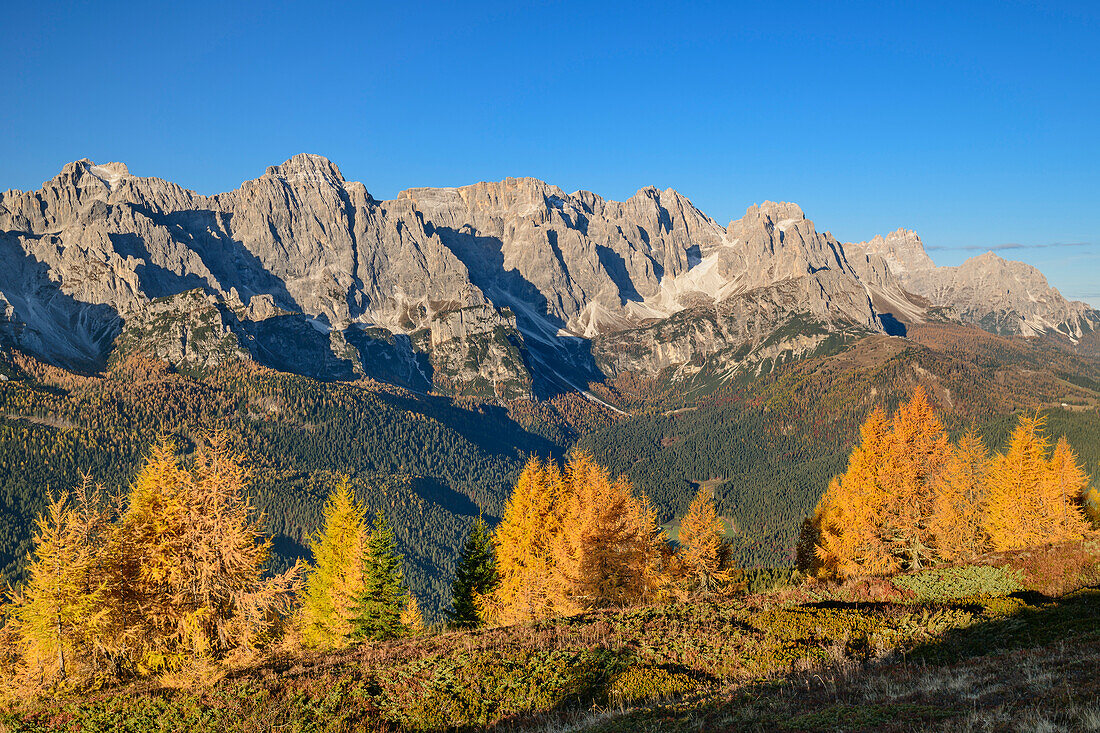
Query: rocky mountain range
{"x": 505, "y": 289}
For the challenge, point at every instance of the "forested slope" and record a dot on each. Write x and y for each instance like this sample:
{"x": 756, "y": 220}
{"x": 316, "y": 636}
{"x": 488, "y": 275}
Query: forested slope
{"x": 430, "y": 465}
{"x": 769, "y": 447}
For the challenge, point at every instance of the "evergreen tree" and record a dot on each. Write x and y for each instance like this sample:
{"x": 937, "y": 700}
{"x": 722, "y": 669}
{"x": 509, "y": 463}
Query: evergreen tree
{"x": 475, "y": 577}
{"x": 335, "y": 583}
{"x": 378, "y": 610}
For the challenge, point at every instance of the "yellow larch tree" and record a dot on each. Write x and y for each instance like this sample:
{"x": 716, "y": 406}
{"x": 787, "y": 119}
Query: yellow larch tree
{"x": 192, "y": 562}
{"x": 657, "y": 554}
{"x": 918, "y": 458}
{"x": 958, "y": 512}
{"x": 231, "y": 608}
{"x": 1092, "y": 506}
{"x": 1065, "y": 494}
{"x": 844, "y": 527}
{"x": 335, "y": 581}
{"x": 411, "y": 618}
{"x": 522, "y": 543}
{"x": 1015, "y": 495}
{"x": 148, "y": 546}
{"x": 60, "y": 617}
{"x": 701, "y": 543}
{"x": 602, "y": 551}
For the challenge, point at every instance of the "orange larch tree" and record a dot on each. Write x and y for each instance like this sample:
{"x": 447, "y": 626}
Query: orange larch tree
{"x": 602, "y": 551}
{"x": 918, "y": 458}
{"x": 701, "y": 544}
{"x": 522, "y": 542}
{"x": 1065, "y": 494}
{"x": 844, "y": 526}
{"x": 957, "y": 519}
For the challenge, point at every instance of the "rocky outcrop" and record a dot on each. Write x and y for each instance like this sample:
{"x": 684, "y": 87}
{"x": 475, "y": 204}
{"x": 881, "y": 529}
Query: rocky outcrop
{"x": 184, "y": 329}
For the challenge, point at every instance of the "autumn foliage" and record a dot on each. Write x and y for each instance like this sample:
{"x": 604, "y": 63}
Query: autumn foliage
{"x": 911, "y": 498}
{"x": 574, "y": 538}
{"x": 171, "y": 579}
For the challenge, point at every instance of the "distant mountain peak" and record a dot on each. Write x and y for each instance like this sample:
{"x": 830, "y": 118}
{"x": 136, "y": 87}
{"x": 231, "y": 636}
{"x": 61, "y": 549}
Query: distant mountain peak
{"x": 777, "y": 211}
{"x": 1003, "y": 296}
{"x": 307, "y": 167}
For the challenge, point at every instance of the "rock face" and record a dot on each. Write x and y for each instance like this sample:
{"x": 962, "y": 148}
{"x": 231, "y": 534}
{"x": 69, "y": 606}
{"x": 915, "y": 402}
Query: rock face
{"x": 999, "y": 295}
{"x": 499, "y": 289}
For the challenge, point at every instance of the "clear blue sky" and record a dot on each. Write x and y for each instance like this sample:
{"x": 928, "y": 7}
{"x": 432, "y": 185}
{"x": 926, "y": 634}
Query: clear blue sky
{"x": 977, "y": 124}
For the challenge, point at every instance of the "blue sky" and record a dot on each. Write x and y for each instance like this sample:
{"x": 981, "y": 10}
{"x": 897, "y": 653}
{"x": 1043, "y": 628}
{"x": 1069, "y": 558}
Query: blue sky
{"x": 975, "y": 124}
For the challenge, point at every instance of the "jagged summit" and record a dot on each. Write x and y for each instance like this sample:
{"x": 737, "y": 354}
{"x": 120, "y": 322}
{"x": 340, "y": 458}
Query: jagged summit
{"x": 495, "y": 288}
{"x": 305, "y": 167}
{"x": 777, "y": 211}
{"x": 902, "y": 249}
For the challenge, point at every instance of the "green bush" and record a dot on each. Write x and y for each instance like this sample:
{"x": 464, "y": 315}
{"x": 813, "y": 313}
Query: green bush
{"x": 638, "y": 684}
{"x": 960, "y": 582}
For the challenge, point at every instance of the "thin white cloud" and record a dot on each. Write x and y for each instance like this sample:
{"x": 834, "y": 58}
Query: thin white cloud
{"x": 1011, "y": 245}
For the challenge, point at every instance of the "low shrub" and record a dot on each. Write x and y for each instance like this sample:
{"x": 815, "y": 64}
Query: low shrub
{"x": 959, "y": 582}
{"x": 644, "y": 683}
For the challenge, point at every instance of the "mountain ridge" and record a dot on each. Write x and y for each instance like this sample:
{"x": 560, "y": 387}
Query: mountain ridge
{"x": 496, "y": 289}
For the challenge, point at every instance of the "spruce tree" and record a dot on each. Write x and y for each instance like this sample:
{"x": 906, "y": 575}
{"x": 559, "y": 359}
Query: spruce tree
{"x": 378, "y": 612}
{"x": 475, "y": 576}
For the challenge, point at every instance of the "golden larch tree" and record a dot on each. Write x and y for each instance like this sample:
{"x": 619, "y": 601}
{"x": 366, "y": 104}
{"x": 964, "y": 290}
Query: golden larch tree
{"x": 411, "y": 618}
{"x": 1016, "y": 486}
{"x": 1065, "y": 494}
{"x": 148, "y": 546}
{"x": 60, "y": 617}
{"x": 335, "y": 581}
{"x": 845, "y": 524}
{"x": 602, "y": 551}
{"x": 918, "y": 457}
{"x": 522, "y": 543}
{"x": 193, "y": 562}
{"x": 1092, "y": 506}
{"x": 701, "y": 543}
{"x": 958, "y": 512}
